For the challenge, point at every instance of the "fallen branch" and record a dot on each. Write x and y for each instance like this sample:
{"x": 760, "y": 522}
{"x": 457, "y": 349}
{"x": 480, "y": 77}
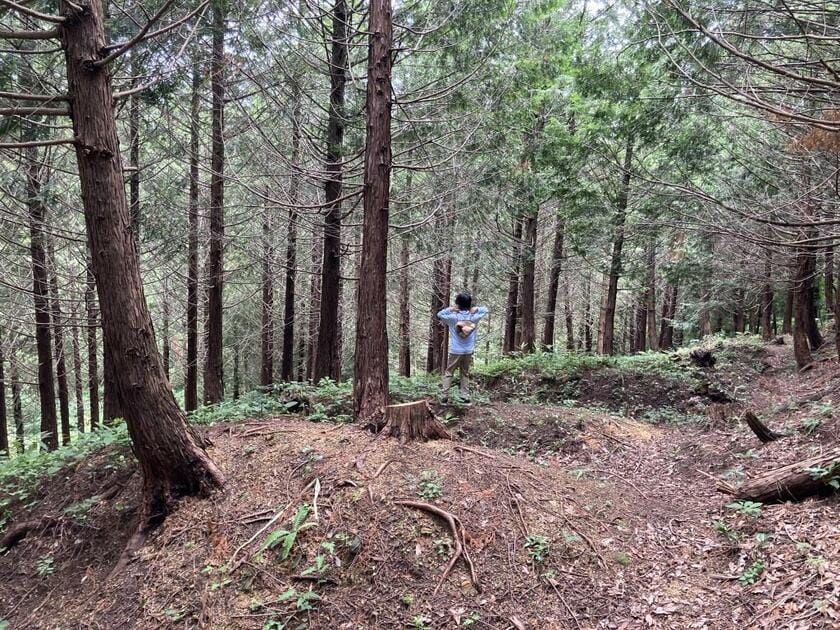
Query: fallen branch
{"x": 457, "y": 529}
{"x": 762, "y": 431}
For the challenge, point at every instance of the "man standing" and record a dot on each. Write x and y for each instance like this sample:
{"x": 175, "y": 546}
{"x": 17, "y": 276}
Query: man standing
{"x": 462, "y": 320}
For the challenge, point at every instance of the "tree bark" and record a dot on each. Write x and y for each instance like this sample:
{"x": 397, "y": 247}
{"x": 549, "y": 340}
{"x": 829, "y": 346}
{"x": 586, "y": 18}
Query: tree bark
{"x": 214, "y": 374}
{"x": 287, "y": 360}
{"x": 328, "y": 359}
{"x": 767, "y": 299}
{"x": 93, "y": 359}
{"x": 669, "y": 311}
{"x": 439, "y": 299}
{"x": 414, "y": 421}
{"x": 112, "y": 406}
{"x": 314, "y": 301}
{"x": 370, "y": 388}
{"x": 78, "y": 376}
{"x": 191, "y": 372}
{"x": 172, "y": 463}
{"x": 606, "y": 323}
{"x": 134, "y": 149}
{"x": 801, "y": 351}
{"x": 512, "y": 303}
{"x": 40, "y": 295}
{"x": 165, "y": 341}
{"x": 4, "y": 431}
{"x": 650, "y": 294}
{"x": 791, "y": 482}
{"x": 812, "y": 294}
{"x": 640, "y": 324}
{"x": 761, "y": 430}
{"x": 587, "y": 314}
{"x": 529, "y": 261}
{"x": 567, "y": 309}
{"x": 267, "y": 336}
{"x": 17, "y": 404}
{"x": 405, "y": 311}
{"x": 787, "y": 320}
{"x": 828, "y": 275}
{"x": 58, "y": 347}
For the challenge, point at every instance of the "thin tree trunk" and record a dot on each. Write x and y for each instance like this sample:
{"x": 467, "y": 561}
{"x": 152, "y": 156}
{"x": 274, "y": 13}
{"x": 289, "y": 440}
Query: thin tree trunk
{"x": 812, "y": 329}
{"x": 191, "y": 372}
{"x": 40, "y": 294}
{"x": 236, "y": 359}
{"x": 587, "y": 314}
{"x": 529, "y": 260}
{"x": 669, "y": 311}
{"x": 787, "y": 321}
{"x": 267, "y": 352}
{"x": 801, "y": 351}
{"x": 606, "y": 325}
{"x": 569, "y": 314}
{"x": 214, "y": 375}
{"x": 739, "y": 318}
{"x": 165, "y": 341}
{"x": 767, "y": 299}
{"x": 439, "y": 299}
{"x": 650, "y": 294}
{"x": 370, "y": 388}
{"x": 17, "y": 404}
{"x": 314, "y": 302}
{"x": 93, "y": 359}
{"x": 443, "y": 350}
{"x": 829, "y": 277}
{"x": 172, "y": 463}
{"x": 4, "y": 431}
{"x": 405, "y": 311}
{"x": 640, "y": 324}
{"x": 58, "y": 347}
{"x": 134, "y": 149}
{"x": 512, "y": 304}
{"x": 553, "y": 284}
{"x": 287, "y": 360}
{"x": 78, "y": 380}
{"x": 328, "y": 361}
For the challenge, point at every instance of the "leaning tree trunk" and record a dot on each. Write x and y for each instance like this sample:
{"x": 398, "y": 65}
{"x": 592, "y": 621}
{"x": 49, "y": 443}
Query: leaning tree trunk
{"x": 40, "y": 296}
{"x": 370, "y": 387}
{"x": 793, "y": 482}
{"x": 172, "y": 463}
{"x": 58, "y": 347}
{"x": 606, "y": 322}
{"x": 328, "y": 361}
{"x": 214, "y": 374}
{"x": 191, "y": 372}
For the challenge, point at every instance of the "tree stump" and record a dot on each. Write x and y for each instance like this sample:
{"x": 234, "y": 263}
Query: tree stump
{"x": 703, "y": 358}
{"x": 761, "y": 430}
{"x": 413, "y": 421}
{"x": 800, "y": 480}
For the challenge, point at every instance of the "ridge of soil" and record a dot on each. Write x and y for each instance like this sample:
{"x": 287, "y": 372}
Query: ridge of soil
{"x": 573, "y": 518}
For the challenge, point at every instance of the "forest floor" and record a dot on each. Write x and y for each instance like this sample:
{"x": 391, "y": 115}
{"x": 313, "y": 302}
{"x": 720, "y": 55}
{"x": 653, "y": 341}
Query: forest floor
{"x": 571, "y": 517}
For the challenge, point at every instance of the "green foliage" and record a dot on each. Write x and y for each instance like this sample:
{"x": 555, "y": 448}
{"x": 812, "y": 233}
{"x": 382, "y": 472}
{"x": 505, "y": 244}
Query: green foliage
{"x": 79, "y": 511}
{"x": 829, "y": 476}
{"x": 175, "y": 615}
{"x": 303, "y": 599}
{"x": 471, "y": 619}
{"x": 538, "y": 548}
{"x": 407, "y": 600}
{"x": 752, "y": 573}
{"x": 22, "y": 474}
{"x": 285, "y": 538}
{"x": 45, "y": 566}
{"x": 725, "y": 530}
{"x": 809, "y": 425}
{"x": 430, "y": 485}
{"x": 443, "y": 546}
{"x": 419, "y": 622}
{"x": 746, "y": 508}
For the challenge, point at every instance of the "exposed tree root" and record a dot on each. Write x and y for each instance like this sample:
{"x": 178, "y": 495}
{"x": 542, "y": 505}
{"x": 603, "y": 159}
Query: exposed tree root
{"x": 457, "y": 529}
{"x": 18, "y": 532}
{"x": 761, "y": 430}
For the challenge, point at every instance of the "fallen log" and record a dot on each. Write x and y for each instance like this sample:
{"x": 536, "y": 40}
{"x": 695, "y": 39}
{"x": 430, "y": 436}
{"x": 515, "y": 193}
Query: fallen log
{"x": 18, "y": 532}
{"x": 819, "y": 475}
{"x": 761, "y": 430}
{"x": 414, "y": 421}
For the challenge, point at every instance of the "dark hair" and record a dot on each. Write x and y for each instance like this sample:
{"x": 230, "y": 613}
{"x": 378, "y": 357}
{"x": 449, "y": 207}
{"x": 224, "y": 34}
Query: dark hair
{"x": 463, "y": 301}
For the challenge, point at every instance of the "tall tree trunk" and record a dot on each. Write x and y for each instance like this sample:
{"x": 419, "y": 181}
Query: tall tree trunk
{"x": 236, "y": 377}
{"x": 166, "y": 341}
{"x": 370, "y": 388}
{"x": 568, "y": 312}
{"x": 553, "y": 284}
{"x": 134, "y": 149}
{"x": 4, "y": 431}
{"x": 40, "y": 295}
{"x": 17, "y": 404}
{"x": 328, "y": 361}
{"x": 405, "y": 311}
{"x": 93, "y": 360}
{"x": 812, "y": 289}
{"x": 287, "y": 360}
{"x": 669, "y": 311}
{"x": 314, "y": 301}
{"x": 606, "y": 323}
{"x": 214, "y": 375}
{"x": 650, "y": 294}
{"x": 78, "y": 376}
{"x": 58, "y": 348}
{"x": 801, "y": 296}
{"x": 443, "y": 350}
{"x": 172, "y": 463}
{"x": 267, "y": 351}
{"x": 529, "y": 261}
{"x": 512, "y": 303}
{"x": 739, "y": 318}
{"x": 787, "y": 320}
{"x": 439, "y": 299}
{"x": 191, "y": 372}
{"x": 112, "y": 405}
{"x": 640, "y": 324}
{"x": 766, "y": 307}
{"x": 828, "y": 275}
{"x": 587, "y": 314}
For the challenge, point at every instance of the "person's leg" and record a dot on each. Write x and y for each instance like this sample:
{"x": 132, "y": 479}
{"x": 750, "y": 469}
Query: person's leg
{"x": 466, "y": 363}
{"x": 451, "y": 364}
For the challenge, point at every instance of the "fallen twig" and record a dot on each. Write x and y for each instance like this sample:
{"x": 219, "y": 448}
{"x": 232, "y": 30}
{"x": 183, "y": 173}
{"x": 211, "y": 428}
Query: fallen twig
{"x": 457, "y": 529}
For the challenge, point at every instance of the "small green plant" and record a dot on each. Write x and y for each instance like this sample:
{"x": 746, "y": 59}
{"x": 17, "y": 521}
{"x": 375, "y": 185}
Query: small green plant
{"x": 273, "y": 624}
{"x": 443, "y": 546}
{"x": 174, "y": 614}
{"x": 809, "y": 425}
{"x": 746, "y": 508}
{"x": 471, "y": 619}
{"x": 303, "y": 600}
{"x": 45, "y": 566}
{"x": 430, "y": 485}
{"x": 538, "y": 548}
{"x": 752, "y": 573}
{"x": 622, "y": 558}
{"x": 285, "y": 538}
{"x": 723, "y": 528}
{"x": 79, "y": 511}
{"x": 829, "y": 476}
{"x": 407, "y": 600}
{"x": 420, "y": 622}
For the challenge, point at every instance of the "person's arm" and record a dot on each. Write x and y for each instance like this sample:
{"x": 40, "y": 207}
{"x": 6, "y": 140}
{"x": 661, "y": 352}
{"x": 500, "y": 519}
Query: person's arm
{"x": 477, "y": 313}
{"x": 448, "y": 315}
